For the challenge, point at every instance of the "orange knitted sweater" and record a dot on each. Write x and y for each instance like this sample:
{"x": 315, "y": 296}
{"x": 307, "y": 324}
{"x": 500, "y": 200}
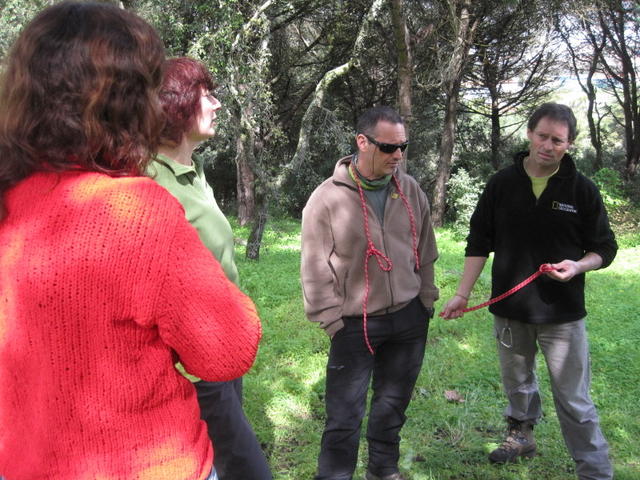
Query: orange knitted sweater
{"x": 103, "y": 286}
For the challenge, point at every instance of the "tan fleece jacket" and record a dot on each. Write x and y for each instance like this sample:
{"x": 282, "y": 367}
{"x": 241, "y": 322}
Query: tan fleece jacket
{"x": 334, "y": 246}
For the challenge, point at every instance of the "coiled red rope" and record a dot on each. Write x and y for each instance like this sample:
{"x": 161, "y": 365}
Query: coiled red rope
{"x": 544, "y": 268}
{"x": 384, "y": 262}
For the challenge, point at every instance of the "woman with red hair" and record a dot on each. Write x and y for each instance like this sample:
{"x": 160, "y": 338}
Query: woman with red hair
{"x": 191, "y": 110}
{"x": 103, "y": 283}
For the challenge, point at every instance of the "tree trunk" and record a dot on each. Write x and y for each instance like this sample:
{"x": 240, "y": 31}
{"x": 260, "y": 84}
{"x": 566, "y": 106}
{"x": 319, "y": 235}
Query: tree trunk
{"x": 248, "y": 145}
{"x": 590, "y": 91}
{"x": 254, "y": 241}
{"x": 401, "y": 35}
{"x": 452, "y": 79}
{"x": 306, "y": 126}
{"x": 495, "y": 135}
{"x": 446, "y": 154}
{"x": 594, "y": 132}
{"x": 613, "y": 24}
{"x": 246, "y": 177}
{"x": 259, "y": 221}
{"x": 588, "y": 88}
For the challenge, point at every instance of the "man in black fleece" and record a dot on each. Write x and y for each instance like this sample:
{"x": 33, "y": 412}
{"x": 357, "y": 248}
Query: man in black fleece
{"x": 542, "y": 210}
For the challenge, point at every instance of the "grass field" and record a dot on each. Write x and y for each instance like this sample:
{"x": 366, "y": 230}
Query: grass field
{"x": 441, "y": 440}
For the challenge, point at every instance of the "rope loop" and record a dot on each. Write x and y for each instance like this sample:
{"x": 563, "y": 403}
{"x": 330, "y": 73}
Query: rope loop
{"x": 372, "y": 251}
{"x": 384, "y": 262}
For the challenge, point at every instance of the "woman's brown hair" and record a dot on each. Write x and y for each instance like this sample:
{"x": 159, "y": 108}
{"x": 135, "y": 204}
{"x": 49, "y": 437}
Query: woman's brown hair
{"x": 183, "y": 82}
{"x": 79, "y": 91}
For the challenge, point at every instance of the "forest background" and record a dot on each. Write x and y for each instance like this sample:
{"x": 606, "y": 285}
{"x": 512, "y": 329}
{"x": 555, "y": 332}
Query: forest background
{"x": 293, "y": 77}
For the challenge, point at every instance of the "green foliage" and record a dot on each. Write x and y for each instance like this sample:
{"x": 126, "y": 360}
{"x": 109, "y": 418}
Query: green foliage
{"x": 441, "y": 440}
{"x": 473, "y": 143}
{"x": 611, "y": 187}
{"x": 14, "y": 15}
{"x": 463, "y": 192}
{"x": 269, "y": 56}
{"x": 198, "y": 28}
{"x": 221, "y": 173}
{"x": 623, "y": 213}
{"x": 331, "y": 140}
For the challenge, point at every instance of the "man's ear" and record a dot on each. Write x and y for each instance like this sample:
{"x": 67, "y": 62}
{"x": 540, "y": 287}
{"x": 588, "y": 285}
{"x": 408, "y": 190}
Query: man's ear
{"x": 361, "y": 142}
{"x": 529, "y": 134}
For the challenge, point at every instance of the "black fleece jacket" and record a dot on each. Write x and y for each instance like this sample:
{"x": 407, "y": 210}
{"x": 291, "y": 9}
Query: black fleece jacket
{"x": 567, "y": 221}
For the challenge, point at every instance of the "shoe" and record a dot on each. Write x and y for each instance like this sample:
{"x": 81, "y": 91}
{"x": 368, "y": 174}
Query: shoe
{"x": 393, "y": 476}
{"x": 519, "y": 443}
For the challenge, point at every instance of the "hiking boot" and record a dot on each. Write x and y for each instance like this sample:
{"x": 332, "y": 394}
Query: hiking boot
{"x": 393, "y": 476}
{"x": 519, "y": 443}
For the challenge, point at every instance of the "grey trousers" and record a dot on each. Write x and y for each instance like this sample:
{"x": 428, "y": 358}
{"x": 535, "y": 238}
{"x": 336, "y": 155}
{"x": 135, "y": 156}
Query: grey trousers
{"x": 566, "y": 351}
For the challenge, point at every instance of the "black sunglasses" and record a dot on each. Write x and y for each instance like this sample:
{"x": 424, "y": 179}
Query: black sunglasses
{"x": 387, "y": 147}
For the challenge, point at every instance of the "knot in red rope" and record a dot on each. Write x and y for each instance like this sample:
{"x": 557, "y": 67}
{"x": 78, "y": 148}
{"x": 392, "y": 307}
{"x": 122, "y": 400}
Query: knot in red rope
{"x": 372, "y": 251}
{"x": 546, "y": 267}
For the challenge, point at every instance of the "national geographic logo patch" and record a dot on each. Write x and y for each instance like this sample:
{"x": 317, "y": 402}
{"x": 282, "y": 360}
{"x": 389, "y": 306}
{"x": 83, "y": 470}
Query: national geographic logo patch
{"x": 564, "y": 207}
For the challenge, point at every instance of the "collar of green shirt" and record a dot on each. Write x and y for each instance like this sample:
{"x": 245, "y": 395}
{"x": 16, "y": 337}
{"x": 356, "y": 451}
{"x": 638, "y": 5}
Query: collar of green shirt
{"x": 178, "y": 168}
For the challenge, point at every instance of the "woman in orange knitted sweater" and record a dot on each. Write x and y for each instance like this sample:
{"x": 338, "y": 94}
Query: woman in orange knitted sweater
{"x": 103, "y": 283}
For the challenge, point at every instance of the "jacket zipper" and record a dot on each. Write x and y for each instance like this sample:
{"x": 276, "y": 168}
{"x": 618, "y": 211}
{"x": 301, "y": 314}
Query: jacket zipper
{"x": 384, "y": 245}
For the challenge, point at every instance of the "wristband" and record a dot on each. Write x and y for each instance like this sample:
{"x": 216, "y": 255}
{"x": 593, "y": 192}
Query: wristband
{"x": 462, "y": 296}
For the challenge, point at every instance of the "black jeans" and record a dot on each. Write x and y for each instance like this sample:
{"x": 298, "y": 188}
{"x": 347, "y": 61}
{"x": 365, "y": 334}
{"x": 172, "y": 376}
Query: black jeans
{"x": 237, "y": 452}
{"x": 399, "y": 341}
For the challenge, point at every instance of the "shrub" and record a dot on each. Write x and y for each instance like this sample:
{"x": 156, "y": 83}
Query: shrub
{"x": 611, "y": 187}
{"x": 463, "y": 191}
{"x": 624, "y": 212}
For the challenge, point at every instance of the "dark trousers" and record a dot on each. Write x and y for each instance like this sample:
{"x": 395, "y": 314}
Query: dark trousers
{"x": 237, "y": 452}
{"x": 399, "y": 341}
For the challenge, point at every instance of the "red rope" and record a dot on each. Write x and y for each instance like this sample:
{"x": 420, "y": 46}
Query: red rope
{"x": 372, "y": 251}
{"x": 412, "y": 221}
{"x": 544, "y": 268}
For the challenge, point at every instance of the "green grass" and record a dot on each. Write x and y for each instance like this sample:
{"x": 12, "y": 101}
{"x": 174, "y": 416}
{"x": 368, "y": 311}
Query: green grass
{"x": 441, "y": 440}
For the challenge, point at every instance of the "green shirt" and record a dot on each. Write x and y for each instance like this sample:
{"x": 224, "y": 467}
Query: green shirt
{"x": 538, "y": 184}
{"x": 188, "y": 184}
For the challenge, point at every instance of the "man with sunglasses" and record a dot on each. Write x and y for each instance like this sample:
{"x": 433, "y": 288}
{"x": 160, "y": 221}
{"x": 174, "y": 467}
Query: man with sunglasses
{"x": 368, "y": 250}
{"x": 542, "y": 210}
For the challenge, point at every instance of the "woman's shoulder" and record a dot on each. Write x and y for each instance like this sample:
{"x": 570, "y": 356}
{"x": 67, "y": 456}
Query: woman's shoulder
{"x": 126, "y": 201}
{"x": 133, "y": 192}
